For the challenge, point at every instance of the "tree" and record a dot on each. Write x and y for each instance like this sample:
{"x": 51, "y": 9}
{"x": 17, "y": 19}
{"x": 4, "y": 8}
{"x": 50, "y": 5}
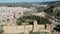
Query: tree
{"x": 58, "y": 14}
{"x": 31, "y": 18}
{"x": 49, "y": 10}
{"x": 57, "y": 28}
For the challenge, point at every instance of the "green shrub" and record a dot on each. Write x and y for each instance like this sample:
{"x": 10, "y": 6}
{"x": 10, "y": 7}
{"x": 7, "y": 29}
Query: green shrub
{"x": 1, "y": 31}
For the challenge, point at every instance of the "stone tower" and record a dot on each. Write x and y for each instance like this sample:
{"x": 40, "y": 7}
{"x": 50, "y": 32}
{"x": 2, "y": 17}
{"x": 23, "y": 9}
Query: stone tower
{"x": 35, "y": 25}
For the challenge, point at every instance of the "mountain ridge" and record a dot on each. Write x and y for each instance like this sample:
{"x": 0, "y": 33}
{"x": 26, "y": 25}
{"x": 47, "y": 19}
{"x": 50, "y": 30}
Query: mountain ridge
{"x": 29, "y": 3}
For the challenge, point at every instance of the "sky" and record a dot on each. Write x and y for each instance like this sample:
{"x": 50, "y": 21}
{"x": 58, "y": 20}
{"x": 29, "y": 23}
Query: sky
{"x": 15, "y": 1}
